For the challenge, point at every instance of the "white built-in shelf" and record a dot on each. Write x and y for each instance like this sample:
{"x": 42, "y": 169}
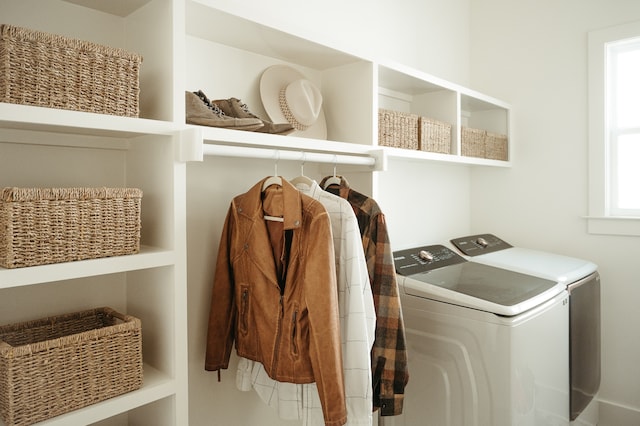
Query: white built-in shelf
{"x": 279, "y": 40}
{"x": 148, "y": 257}
{"x": 292, "y": 143}
{"x": 423, "y": 156}
{"x": 305, "y": 145}
{"x": 156, "y": 385}
{"x": 67, "y": 122}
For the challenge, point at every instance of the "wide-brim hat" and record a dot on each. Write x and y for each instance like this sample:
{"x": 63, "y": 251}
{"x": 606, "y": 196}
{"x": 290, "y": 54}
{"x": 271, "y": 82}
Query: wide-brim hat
{"x": 289, "y": 97}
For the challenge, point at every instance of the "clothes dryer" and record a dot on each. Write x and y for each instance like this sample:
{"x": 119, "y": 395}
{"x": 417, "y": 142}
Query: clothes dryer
{"x": 486, "y": 346}
{"x": 582, "y": 281}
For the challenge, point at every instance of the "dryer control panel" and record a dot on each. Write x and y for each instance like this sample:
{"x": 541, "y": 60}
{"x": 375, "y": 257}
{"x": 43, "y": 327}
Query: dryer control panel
{"x": 475, "y": 245}
{"x": 424, "y": 259}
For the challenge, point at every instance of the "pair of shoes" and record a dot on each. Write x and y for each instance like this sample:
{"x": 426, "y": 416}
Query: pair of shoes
{"x": 233, "y": 107}
{"x": 200, "y": 111}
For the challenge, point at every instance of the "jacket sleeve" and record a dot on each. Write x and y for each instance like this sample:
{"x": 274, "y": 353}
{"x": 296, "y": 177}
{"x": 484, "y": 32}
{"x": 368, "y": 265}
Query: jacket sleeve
{"x": 389, "y": 355}
{"x": 220, "y": 333}
{"x": 325, "y": 348}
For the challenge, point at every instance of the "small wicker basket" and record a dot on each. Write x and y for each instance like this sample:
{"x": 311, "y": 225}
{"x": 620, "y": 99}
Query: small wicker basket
{"x": 58, "y": 364}
{"x": 483, "y": 144}
{"x": 496, "y": 146}
{"x": 435, "y": 136}
{"x": 48, "y": 70}
{"x": 398, "y": 129}
{"x": 472, "y": 142}
{"x": 51, "y": 225}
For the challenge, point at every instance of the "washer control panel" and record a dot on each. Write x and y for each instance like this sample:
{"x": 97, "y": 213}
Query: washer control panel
{"x": 475, "y": 245}
{"x": 424, "y": 259}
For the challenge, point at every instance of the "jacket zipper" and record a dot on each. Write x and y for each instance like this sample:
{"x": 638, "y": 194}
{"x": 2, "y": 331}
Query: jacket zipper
{"x": 293, "y": 333}
{"x": 274, "y": 365}
{"x": 245, "y": 297}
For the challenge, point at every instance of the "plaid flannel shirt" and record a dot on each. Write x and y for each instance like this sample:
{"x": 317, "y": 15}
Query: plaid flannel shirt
{"x": 389, "y": 354}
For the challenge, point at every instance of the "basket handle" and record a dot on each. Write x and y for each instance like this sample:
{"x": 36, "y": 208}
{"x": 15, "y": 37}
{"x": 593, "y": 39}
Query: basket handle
{"x": 122, "y": 317}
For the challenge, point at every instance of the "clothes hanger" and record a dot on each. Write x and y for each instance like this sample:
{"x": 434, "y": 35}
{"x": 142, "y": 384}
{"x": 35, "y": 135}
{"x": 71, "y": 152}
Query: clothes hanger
{"x": 273, "y": 180}
{"x": 333, "y": 180}
{"x": 302, "y": 179}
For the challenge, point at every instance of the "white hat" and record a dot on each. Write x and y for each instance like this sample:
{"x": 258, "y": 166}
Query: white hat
{"x": 288, "y": 96}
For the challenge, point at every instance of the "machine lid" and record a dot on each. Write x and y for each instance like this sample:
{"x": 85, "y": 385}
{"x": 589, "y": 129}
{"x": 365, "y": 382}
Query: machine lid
{"x": 491, "y": 250}
{"x": 436, "y": 272}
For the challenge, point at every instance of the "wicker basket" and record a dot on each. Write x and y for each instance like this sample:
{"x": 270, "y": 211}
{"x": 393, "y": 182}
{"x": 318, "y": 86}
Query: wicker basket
{"x": 51, "y": 225}
{"x": 483, "y": 144}
{"x": 48, "y": 70}
{"x": 435, "y": 136}
{"x": 55, "y": 365}
{"x": 496, "y": 146}
{"x": 398, "y": 129}
{"x": 472, "y": 142}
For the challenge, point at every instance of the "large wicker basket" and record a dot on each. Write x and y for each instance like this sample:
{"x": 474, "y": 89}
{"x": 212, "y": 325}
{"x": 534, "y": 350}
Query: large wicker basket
{"x": 54, "y": 71}
{"x": 58, "y": 364}
{"x": 398, "y": 129}
{"x": 51, "y": 225}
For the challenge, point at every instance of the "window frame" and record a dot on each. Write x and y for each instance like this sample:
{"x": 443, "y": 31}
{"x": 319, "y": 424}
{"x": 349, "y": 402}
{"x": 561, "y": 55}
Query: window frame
{"x": 600, "y": 220}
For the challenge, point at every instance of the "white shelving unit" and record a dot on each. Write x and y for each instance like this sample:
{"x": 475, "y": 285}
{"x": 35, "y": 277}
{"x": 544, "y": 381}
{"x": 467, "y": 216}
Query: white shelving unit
{"x": 187, "y": 45}
{"x": 67, "y": 150}
{"x": 41, "y": 147}
{"x": 353, "y": 86}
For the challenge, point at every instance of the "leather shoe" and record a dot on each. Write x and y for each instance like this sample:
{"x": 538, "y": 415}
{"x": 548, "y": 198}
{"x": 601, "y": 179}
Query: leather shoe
{"x": 233, "y": 107}
{"x": 200, "y": 111}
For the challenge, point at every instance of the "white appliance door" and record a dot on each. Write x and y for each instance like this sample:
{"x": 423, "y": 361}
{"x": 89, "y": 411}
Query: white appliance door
{"x": 473, "y": 368}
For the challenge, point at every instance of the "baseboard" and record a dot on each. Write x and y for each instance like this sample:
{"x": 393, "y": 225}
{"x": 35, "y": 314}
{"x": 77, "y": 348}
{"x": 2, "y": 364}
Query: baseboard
{"x": 612, "y": 414}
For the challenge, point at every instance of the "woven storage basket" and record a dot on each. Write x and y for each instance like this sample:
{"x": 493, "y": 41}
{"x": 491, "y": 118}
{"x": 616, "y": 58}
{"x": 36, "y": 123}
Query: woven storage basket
{"x": 55, "y": 365}
{"x": 435, "y": 136}
{"x": 496, "y": 146}
{"x": 473, "y": 142}
{"x": 51, "y": 225}
{"x": 398, "y": 129}
{"x": 48, "y": 70}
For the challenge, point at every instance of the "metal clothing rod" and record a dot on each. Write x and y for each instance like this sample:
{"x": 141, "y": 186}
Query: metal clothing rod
{"x": 284, "y": 154}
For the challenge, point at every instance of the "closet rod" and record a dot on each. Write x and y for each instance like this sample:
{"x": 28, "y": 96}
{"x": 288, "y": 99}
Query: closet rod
{"x": 284, "y": 154}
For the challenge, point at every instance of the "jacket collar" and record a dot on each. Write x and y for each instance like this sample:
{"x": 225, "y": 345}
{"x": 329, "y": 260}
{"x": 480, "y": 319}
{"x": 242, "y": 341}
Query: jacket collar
{"x": 250, "y": 205}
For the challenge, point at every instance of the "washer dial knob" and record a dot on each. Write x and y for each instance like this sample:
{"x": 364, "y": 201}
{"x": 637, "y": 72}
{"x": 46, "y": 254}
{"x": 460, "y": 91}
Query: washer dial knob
{"x": 425, "y": 255}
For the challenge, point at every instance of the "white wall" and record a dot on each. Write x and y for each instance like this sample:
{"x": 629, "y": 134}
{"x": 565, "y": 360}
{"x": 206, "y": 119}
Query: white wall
{"x": 429, "y": 35}
{"x": 424, "y": 203}
{"x": 533, "y": 54}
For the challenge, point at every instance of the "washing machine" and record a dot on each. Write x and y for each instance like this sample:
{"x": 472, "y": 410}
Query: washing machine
{"x": 582, "y": 281}
{"x": 486, "y": 346}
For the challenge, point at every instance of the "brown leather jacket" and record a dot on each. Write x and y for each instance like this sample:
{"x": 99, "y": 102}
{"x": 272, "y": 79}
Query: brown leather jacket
{"x": 283, "y": 317}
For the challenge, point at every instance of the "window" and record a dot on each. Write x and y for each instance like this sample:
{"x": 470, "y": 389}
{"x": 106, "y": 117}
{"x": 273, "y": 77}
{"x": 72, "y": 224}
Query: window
{"x": 622, "y": 106}
{"x": 614, "y": 130}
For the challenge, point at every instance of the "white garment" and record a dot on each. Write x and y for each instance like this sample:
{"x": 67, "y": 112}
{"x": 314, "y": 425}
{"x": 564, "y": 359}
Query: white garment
{"x": 357, "y": 328}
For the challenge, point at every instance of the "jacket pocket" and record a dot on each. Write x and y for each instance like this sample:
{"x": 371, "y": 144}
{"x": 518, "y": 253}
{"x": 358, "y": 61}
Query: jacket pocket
{"x": 243, "y": 323}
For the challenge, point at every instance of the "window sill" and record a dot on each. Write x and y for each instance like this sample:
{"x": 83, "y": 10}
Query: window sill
{"x": 607, "y": 225}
